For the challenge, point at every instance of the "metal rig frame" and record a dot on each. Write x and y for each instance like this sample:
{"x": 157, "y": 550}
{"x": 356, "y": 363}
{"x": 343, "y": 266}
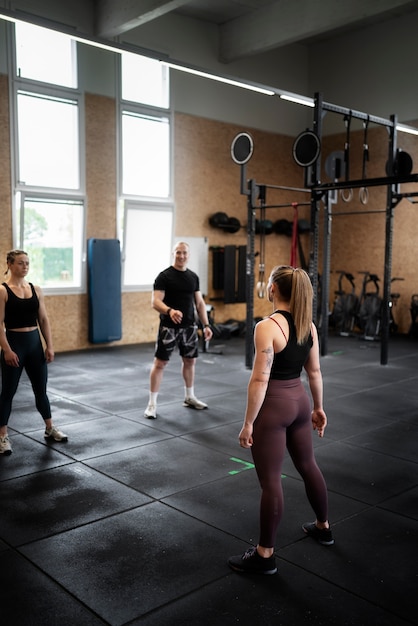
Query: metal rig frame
{"x": 320, "y": 192}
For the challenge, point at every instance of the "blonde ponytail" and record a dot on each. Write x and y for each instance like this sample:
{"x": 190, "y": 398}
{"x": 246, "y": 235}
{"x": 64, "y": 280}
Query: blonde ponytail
{"x": 295, "y": 287}
{"x": 301, "y": 304}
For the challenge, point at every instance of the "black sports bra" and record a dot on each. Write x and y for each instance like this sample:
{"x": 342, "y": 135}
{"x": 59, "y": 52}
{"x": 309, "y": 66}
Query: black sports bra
{"x": 21, "y": 312}
{"x": 289, "y": 362}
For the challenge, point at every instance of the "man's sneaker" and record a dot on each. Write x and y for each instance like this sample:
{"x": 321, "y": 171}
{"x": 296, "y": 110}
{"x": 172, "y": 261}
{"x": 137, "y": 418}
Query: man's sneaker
{"x": 194, "y": 403}
{"x": 252, "y": 563}
{"x": 151, "y": 412}
{"x": 5, "y": 447}
{"x": 55, "y": 434}
{"x": 322, "y": 535}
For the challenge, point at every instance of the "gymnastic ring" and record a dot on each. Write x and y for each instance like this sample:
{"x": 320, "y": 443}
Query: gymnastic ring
{"x": 346, "y": 197}
{"x": 363, "y": 195}
{"x": 261, "y": 289}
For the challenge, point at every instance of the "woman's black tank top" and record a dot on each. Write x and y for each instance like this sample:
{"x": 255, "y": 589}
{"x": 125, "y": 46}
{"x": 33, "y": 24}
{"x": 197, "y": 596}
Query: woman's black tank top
{"x": 21, "y": 312}
{"x": 288, "y": 363}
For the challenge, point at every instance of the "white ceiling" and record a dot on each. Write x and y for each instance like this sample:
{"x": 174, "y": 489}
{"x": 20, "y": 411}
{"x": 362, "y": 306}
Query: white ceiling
{"x": 250, "y": 27}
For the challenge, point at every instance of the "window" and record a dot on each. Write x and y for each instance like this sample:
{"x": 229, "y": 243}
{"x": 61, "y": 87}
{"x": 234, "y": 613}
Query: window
{"x": 145, "y": 172}
{"x": 145, "y": 155}
{"x": 45, "y": 55}
{"x": 52, "y": 235}
{"x": 49, "y": 203}
{"x": 147, "y": 242}
{"x": 144, "y": 80}
{"x": 48, "y": 150}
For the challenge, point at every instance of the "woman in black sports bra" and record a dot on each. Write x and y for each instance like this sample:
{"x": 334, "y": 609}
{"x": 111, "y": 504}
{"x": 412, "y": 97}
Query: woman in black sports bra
{"x": 279, "y": 413}
{"x": 23, "y": 317}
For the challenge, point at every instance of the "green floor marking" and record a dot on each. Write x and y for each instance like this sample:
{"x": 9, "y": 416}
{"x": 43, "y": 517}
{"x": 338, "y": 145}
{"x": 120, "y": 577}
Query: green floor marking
{"x": 242, "y": 469}
{"x": 247, "y": 464}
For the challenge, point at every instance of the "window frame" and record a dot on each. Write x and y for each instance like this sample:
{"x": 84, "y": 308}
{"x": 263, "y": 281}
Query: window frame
{"x": 144, "y": 111}
{"x": 19, "y": 233}
{"x": 46, "y": 91}
{"x": 133, "y": 205}
{"x": 128, "y": 201}
{"x": 57, "y": 33}
{"x": 165, "y": 79}
{"x": 27, "y": 85}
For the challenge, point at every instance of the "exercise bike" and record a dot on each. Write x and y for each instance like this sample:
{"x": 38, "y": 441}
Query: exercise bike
{"x": 394, "y": 297}
{"x": 413, "y": 329}
{"x": 343, "y": 315}
{"x": 369, "y": 314}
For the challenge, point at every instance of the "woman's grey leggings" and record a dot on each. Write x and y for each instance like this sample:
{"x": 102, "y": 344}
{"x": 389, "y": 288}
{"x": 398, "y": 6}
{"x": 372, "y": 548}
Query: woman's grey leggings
{"x": 284, "y": 421}
{"x": 28, "y": 347}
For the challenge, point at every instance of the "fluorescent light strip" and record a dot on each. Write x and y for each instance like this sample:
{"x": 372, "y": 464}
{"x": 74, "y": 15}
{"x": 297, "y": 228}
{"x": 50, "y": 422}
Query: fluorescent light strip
{"x": 407, "y": 129}
{"x": 86, "y": 40}
{"x": 8, "y": 18}
{"x": 308, "y": 102}
{"x": 96, "y": 44}
{"x": 176, "y": 66}
{"x": 220, "y": 79}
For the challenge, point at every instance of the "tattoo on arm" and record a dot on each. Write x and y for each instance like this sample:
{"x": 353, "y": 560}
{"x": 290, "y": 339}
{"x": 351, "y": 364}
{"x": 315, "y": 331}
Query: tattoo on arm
{"x": 269, "y": 360}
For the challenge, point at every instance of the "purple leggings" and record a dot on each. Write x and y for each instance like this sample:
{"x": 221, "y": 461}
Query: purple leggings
{"x": 284, "y": 421}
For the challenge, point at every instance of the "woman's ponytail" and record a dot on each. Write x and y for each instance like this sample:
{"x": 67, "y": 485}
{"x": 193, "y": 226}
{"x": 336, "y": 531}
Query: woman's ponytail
{"x": 301, "y": 301}
{"x": 295, "y": 287}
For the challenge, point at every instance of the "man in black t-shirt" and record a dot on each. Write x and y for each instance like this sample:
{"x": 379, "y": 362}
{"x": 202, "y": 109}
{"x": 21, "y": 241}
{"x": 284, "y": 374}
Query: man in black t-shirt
{"x": 176, "y": 296}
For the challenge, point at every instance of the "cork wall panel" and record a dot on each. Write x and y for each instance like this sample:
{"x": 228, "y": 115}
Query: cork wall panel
{"x": 68, "y": 315}
{"x": 139, "y": 320}
{"x": 69, "y": 321}
{"x": 101, "y": 166}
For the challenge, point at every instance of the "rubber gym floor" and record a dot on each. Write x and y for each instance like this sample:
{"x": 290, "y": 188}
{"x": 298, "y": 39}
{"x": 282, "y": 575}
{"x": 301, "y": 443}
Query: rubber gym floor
{"x": 132, "y": 520}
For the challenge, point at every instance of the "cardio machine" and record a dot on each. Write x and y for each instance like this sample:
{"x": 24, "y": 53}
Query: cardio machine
{"x": 369, "y": 313}
{"x": 413, "y": 329}
{"x": 343, "y": 315}
{"x": 394, "y": 297}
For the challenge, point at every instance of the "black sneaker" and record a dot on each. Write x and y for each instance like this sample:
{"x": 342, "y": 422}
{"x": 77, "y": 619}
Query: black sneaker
{"x": 252, "y": 563}
{"x": 322, "y": 535}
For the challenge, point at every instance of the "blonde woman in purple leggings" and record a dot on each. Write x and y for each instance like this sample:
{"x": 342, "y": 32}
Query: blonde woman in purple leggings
{"x": 279, "y": 413}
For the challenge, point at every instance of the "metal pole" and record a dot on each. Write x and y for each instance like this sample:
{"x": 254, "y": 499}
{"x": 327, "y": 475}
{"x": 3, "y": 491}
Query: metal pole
{"x": 325, "y": 276}
{"x": 390, "y": 204}
{"x": 314, "y": 178}
{"x": 250, "y": 270}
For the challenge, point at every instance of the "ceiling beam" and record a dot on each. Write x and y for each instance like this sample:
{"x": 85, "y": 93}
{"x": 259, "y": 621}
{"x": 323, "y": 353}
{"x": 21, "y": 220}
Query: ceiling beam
{"x": 290, "y": 21}
{"x": 115, "y": 17}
